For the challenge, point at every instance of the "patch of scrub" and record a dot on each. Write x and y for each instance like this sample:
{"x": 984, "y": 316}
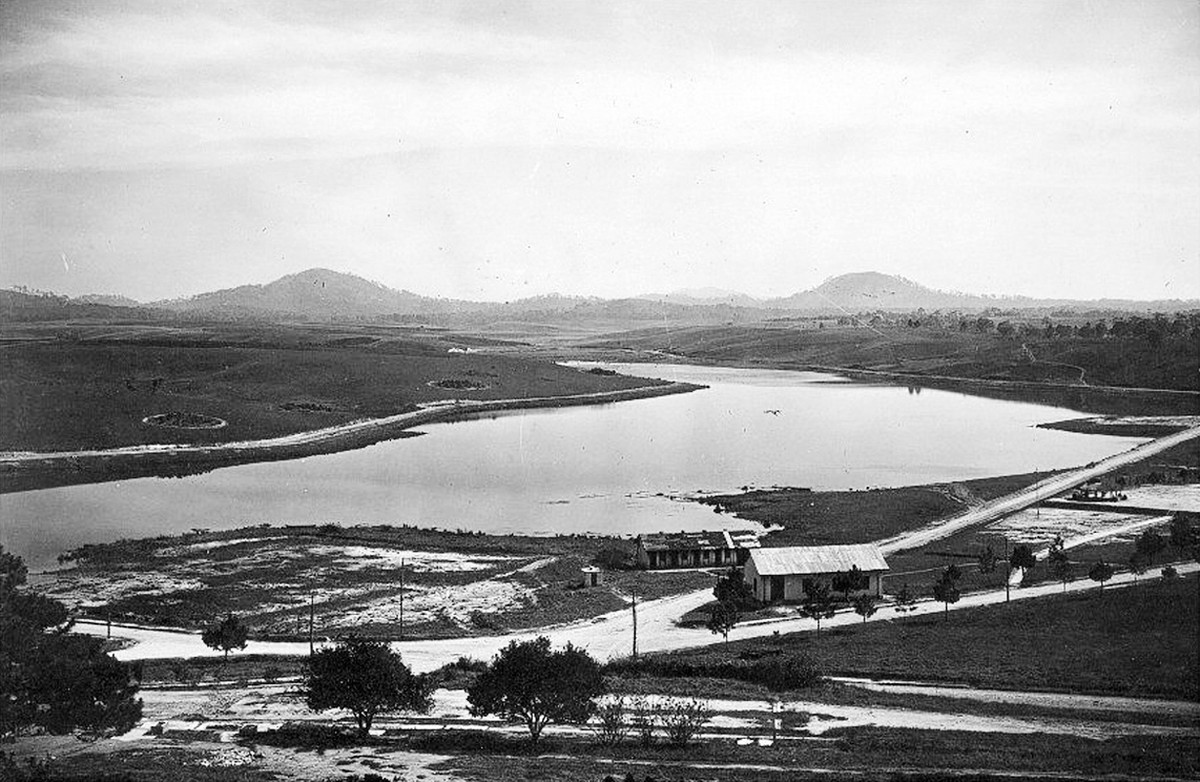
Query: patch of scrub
{"x": 177, "y": 420}
{"x": 81, "y": 590}
{"x": 212, "y": 544}
{"x": 457, "y": 603}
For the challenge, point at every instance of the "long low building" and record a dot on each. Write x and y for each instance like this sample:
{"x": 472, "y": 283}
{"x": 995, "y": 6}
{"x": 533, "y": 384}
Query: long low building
{"x": 779, "y": 573}
{"x": 670, "y": 550}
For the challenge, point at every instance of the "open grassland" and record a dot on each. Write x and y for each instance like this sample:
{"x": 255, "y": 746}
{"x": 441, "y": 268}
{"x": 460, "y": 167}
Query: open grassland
{"x": 380, "y": 581}
{"x": 861, "y": 754}
{"x": 1141, "y": 640}
{"x": 92, "y": 388}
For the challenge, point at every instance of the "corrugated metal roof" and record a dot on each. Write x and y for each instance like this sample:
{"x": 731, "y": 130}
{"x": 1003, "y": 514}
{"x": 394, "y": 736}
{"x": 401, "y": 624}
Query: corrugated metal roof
{"x": 811, "y": 560}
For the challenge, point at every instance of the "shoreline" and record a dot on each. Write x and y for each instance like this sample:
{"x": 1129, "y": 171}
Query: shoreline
{"x": 30, "y": 471}
{"x": 1086, "y": 400}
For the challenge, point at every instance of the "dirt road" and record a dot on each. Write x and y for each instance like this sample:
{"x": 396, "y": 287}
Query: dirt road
{"x": 1044, "y": 489}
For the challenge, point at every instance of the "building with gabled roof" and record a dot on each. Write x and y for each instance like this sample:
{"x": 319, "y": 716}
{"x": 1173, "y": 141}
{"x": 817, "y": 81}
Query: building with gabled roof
{"x": 779, "y": 573}
{"x": 671, "y": 550}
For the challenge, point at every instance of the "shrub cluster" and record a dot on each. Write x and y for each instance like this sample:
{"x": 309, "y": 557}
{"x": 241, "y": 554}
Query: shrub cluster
{"x": 778, "y": 671}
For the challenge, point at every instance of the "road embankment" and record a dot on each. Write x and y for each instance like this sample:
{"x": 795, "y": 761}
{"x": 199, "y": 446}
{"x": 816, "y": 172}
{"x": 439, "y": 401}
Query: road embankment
{"x": 26, "y": 471}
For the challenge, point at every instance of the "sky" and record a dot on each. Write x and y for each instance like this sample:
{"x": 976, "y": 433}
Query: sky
{"x": 501, "y": 150}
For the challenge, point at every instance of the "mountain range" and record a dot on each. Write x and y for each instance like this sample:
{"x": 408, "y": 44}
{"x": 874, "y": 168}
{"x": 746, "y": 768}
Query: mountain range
{"x": 322, "y": 294}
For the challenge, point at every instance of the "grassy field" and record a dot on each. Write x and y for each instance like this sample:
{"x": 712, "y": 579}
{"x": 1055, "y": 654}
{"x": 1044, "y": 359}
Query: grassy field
{"x": 1136, "y": 641}
{"x": 91, "y": 388}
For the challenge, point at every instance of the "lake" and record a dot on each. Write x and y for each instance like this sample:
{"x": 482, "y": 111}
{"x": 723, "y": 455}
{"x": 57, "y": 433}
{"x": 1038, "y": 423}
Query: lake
{"x": 617, "y": 469}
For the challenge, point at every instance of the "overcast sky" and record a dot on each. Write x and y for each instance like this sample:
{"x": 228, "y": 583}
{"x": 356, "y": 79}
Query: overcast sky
{"x": 494, "y": 151}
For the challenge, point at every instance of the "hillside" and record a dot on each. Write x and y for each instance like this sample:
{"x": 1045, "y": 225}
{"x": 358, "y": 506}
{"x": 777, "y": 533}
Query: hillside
{"x": 314, "y": 293}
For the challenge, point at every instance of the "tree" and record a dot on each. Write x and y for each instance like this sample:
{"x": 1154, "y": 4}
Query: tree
{"x": 364, "y": 677}
{"x": 1169, "y": 573}
{"x": 612, "y": 720}
{"x": 987, "y": 559}
{"x": 52, "y": 679}
{"x": 905, "y": 600}
{"x": 1138, "y": 562}
{"x": 1022, "y": 557}
{"x": 946, "y": 588}
{"x": 732, "y": 588}
{"x": 1060, "y": 563}
{"x": 722, "y": 618}
{"x": 817, "y": 603}
{"x": 865, "y": 605}
{"x": 528, "y": 682}
{"x": 1101, "y": 572}
{"x": 849, "y": 581}
{"x": 226, "y": 635}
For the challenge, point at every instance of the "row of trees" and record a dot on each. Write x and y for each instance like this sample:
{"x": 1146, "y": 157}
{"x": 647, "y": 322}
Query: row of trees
{"x": 527, "y": 682}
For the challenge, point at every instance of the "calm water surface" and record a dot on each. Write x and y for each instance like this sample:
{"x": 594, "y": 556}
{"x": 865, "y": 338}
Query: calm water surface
{"x": 579, "y": 469}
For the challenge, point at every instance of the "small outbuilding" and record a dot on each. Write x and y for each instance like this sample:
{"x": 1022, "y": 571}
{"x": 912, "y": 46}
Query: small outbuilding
{"x": 668, "y": 551}
{"x": 591, "y": 576}
{"x": 779, "y": 573}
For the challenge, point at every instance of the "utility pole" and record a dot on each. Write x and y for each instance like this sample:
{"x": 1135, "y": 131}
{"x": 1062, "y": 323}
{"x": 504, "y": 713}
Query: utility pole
{"x": 311, "y": 614}
{"x": 1007, "y": 572}
{"x": 633, "y": 606}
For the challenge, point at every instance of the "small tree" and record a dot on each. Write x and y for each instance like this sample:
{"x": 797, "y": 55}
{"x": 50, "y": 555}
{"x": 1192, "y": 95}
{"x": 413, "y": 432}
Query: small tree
{"x": 865, "y": 605}
{"x": 1150, "y": 543}
{"x": 366, "y": 678}
{"x": 682, "y": 718}
{"x": 946, "y": 589}
{"x": 1100, "y": 572}
{"x": 817, "y": 603}
{"x": 1022, "y": 557}
{"x": 528, "y": 682}
{"x": 732, "y": 588}
{"x": 1138, "y": 562}
{"x": 226, "y": 635}
{"x": 1060, "y": 563}
{"x": 612, "y": 720}
{"x": 1183, "y": 532}
{"x": 987, "y": 559}
{"x": 722, "y": 618}
{"x": 643, "y": 719}
{"x": 1169, "y": 573}
{"x": 849, "y": 581}
{"x": 905, "y": 600}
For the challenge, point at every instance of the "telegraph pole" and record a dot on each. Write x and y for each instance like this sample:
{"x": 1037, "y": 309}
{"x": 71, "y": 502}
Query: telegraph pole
{"x": 1007, "y": 572}
{"x": 402, "y": 600}
{"x": 311, "y": 614}
{"x": 633, "y": 606}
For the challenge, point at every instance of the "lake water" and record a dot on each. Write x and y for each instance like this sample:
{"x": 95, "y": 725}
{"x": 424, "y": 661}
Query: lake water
{"x": 587, "y": 469}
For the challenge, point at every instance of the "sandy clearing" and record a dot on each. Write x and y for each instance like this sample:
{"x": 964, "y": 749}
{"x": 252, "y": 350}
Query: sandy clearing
{"x": 272, "y": 705}
{"x": 1040, "y": 526}
{"x": 1168, "y": 497}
